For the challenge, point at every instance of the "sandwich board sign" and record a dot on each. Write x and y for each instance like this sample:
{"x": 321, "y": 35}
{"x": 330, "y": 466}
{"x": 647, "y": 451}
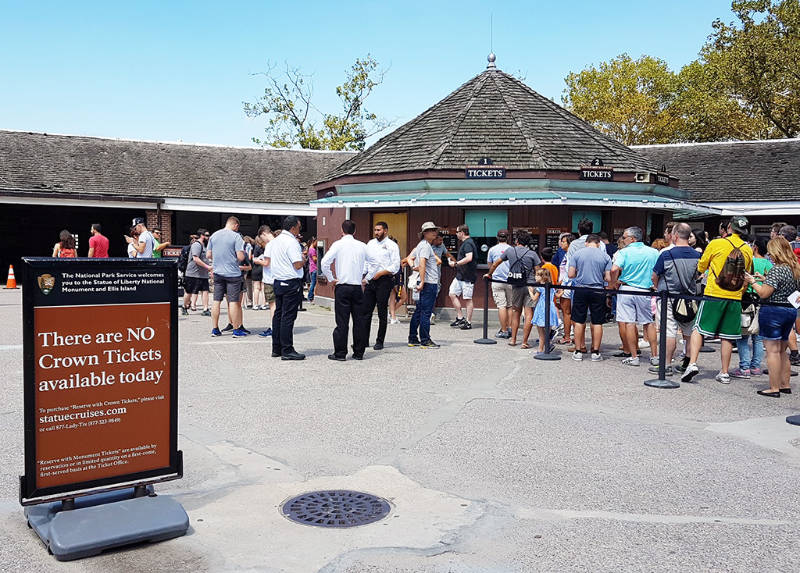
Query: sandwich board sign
{"x": 100, "y": 376}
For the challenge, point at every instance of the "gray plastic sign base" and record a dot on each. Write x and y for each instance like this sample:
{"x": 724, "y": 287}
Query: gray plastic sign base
{"x": 794, "y": 420}
{"x": 104, "y": 521}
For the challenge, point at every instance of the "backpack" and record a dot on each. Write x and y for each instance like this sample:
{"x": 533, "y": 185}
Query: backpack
{"x": 517, "y": 274}
{"x": 183, "y": 259}
{"x": 731, "y": 276}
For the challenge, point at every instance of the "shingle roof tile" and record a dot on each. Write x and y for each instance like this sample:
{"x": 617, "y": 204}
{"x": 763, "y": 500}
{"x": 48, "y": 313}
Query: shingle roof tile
{"x": 492, "y": 115}
{"x": 67, "y": 164}
{"x": 764, "y": 170}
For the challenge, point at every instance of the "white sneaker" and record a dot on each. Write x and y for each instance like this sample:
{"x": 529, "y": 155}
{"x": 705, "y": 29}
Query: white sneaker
{"x": 654, "y": 360}
{"x": 597, "y": 357}
{"x": 723, "y": 378}
{"x": 631, "y": 361}
{"x": 433, "y": 319}
{"x": 577, "y": 356}
{"x": 691, "y": 371}
{"x": 643, "y": 343}
{"x": 394, "y": 321}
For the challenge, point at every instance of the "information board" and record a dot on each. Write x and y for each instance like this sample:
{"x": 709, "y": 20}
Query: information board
{"x": 100, "y": 353}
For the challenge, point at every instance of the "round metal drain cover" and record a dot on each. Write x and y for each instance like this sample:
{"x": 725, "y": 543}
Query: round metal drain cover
{"x": 336, "y": 508}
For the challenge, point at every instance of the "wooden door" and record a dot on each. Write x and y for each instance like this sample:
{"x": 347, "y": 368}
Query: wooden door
{"x": 398, "y": 227}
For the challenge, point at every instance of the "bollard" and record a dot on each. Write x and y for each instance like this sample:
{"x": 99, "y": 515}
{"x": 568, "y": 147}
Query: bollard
{"x": 486, "y": 339}
{"x": 661, "y": 381}
{"x": 548, "y": 353}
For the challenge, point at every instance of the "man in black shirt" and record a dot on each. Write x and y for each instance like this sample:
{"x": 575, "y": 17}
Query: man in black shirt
{"x": 466, "y": 264}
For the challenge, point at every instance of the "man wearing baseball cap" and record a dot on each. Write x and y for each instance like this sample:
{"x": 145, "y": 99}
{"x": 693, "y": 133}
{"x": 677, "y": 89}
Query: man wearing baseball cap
{"x": 419, "y": 333}
{"x": 721, "y": 317}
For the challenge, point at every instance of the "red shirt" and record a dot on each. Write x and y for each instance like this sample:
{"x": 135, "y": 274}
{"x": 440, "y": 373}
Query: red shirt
{"x": 100, "y": 245}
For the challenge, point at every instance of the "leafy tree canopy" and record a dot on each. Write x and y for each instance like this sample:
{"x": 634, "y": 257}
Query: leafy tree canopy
{"x": 294, "y": 121}
{"x": 745, "y": 85}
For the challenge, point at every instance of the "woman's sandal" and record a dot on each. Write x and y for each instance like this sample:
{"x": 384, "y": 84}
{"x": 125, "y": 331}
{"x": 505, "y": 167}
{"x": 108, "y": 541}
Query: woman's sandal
{"x": 786, "y": 390}
{"x": 512, "y": 343}
{"x": 768, "y": 393}
{"x": 563, "y": 340}
{"x": 525, "y": 346}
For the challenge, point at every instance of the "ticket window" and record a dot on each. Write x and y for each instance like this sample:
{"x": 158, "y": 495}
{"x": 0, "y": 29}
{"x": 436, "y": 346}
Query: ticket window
{"x": 483, "y": 227}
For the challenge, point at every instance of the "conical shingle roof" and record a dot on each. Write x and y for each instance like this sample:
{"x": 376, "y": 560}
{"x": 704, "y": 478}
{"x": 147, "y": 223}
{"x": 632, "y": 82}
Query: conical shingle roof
{"x": 493, "y": 115}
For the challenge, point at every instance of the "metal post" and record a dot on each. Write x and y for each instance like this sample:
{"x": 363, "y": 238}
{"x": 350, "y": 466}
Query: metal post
{"x": 661, "y": 381}
{"x": 486, "y": 339}
{"x": 548, "y": 353}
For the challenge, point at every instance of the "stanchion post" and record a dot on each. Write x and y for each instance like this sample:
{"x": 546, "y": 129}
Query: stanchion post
{"x": 486, "y": 339}
{"x": 794, "y": 420}
{"x": 661, "y": 381}
{"x": 548, "y": 353}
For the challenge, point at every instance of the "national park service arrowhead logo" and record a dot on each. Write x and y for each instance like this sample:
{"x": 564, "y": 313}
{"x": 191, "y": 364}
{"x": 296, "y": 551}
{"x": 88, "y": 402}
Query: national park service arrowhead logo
{"x": 46, "y": 283}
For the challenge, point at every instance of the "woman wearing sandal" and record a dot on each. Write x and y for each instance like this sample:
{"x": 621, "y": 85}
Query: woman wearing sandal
{"x": 776, "y": 322}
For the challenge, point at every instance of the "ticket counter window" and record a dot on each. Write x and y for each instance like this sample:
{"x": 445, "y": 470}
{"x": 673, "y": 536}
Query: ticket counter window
{"x": 483, "y": 227}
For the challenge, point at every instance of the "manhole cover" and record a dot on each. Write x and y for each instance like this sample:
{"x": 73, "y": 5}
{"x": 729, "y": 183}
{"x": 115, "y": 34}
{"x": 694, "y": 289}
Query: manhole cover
{"x": 336, "y": 508}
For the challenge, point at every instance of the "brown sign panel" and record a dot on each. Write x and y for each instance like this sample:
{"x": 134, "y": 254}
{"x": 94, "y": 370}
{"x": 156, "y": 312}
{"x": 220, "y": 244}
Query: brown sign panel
{"x": 100, "y": 348}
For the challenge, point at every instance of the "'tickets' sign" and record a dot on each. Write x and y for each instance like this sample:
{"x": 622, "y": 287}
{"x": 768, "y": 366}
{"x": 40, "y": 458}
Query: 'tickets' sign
{"x": 100, "y": 374}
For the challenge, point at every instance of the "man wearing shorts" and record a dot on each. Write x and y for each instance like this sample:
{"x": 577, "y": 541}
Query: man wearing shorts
{"x": 196, "y": 279}
{"x": 675, "y": 272}
{"x": 501, "y": 290}
{"x": 634, "y": 271}
{"x": 463, "y": 285}
{"x": 721, "y": 317}
{"x": 226, "y": 251}
{"x": 522, "y": 264}
{"x": 589, "y": 267}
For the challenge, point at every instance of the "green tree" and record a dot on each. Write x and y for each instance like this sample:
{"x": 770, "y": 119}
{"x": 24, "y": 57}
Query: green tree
{"x": 293, "y": 120}
{"x": 758, "y": 60}
{"x": 705, "y": 113}
{"x": 627, "y": 99}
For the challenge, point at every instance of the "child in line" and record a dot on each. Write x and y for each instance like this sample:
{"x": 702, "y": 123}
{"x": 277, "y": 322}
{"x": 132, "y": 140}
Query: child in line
{"x": 543, "y": 277}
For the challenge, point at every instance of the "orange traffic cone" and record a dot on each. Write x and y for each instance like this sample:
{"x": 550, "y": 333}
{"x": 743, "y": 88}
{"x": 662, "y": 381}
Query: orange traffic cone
{"x": 12, "y": 281}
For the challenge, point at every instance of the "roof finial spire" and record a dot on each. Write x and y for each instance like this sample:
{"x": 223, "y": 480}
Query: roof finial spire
{"x": 491, "y": 59}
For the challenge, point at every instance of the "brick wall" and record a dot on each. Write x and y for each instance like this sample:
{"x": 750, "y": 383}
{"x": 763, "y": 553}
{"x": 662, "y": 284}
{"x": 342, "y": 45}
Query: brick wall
{"x": 164, "y": 222}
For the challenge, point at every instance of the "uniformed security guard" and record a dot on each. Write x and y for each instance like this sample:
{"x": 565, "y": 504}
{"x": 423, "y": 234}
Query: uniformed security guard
{"x": 350, "y": 257}
{"x": 286, "y": 262}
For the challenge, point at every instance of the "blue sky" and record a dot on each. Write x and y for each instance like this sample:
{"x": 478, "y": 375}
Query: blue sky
{"x": 179, "y": 70}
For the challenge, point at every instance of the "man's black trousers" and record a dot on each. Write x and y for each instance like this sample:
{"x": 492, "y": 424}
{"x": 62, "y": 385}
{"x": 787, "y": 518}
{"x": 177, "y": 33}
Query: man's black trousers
{"x": 348, "y": 304}
{"x": 288, "y": 294}
{"x": 377, "y": 293}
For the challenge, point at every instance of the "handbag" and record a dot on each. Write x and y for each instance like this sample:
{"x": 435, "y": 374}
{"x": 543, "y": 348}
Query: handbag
{"x": 683, "y": 310}
{"x": 749, "y": 319}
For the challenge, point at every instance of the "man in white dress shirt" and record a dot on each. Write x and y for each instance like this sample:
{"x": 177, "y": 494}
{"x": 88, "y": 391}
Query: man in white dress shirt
{"x": 383, "y": 262}
{"x": 286, "y": 262}
{"x": 350, "y": 259}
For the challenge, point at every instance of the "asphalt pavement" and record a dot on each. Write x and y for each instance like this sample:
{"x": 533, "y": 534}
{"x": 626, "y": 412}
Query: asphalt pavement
{"x": 491, "y": 460}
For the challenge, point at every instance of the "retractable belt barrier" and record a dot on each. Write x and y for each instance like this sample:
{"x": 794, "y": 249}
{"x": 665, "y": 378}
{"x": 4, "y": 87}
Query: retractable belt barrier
{"x": 663, "y": 296}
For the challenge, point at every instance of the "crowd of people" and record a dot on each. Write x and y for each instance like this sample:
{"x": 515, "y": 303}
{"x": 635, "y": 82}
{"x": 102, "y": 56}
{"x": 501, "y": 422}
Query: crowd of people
{"x": 750, "y": 291}
{"x": 738, "y": 289}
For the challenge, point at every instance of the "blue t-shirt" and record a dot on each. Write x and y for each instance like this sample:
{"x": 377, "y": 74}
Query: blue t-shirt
{"x": 501, "y": 272}
{"x": 590, "y": 264}
{"x": 637, "y": 261}
{"x": 223, "y": 246}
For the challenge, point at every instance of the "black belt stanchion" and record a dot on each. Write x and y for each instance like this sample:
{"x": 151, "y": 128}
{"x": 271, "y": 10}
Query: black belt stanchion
{"x": 794, "y": 420}
{"x": 486, "y": 339}
{"x": 548, "y": 353}
{"x": 661, "y": 381}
